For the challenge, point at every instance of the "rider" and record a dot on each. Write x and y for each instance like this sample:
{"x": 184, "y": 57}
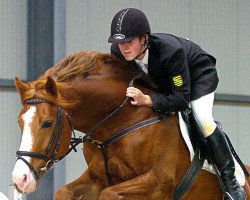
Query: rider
{"x": 185, "y": 74}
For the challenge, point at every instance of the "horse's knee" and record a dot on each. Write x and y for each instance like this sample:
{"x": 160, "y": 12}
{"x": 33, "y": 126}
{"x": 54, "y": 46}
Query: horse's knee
{"x": 64, "y": 193}
{"x": 110, "y": 194}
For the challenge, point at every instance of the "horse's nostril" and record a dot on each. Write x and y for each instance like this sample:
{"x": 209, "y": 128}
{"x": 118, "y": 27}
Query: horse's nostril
{"x": 25, "y": 181}
{"x": 24, "y": 178}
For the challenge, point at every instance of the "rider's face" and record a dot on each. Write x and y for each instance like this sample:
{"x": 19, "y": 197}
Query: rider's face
{"x": 130, "y": 50}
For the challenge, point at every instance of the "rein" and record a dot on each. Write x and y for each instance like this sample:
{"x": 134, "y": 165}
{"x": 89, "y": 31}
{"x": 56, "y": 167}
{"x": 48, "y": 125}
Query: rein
{"x": 131, "y": 83}
{"x": 51, "y": 160}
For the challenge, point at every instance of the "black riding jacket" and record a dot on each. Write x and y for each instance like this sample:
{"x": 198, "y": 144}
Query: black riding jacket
{"x": 181, "y": 69}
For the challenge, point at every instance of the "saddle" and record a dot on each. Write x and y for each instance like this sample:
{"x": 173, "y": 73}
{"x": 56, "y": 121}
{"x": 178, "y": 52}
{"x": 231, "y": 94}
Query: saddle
{"x": 202, "y": 153}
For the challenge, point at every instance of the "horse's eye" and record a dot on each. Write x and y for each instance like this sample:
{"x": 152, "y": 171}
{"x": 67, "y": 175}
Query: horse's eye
{"x": 46, "y": 124}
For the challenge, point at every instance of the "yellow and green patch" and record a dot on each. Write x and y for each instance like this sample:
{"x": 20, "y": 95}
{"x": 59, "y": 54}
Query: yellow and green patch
{"x": 178, "y": 81}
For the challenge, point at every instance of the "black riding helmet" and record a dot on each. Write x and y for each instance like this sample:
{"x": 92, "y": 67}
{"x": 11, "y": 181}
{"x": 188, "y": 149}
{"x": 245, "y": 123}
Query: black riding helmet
{"x": 128, "y": 24}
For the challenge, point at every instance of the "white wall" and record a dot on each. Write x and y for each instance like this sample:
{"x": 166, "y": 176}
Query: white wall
{"x": 13, "y": 43}
{"x": 13, "y": 39}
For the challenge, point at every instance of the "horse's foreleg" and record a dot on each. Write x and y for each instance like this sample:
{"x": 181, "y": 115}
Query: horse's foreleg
{"x": 83, "y": 188}
{"x": 143, "y": 187}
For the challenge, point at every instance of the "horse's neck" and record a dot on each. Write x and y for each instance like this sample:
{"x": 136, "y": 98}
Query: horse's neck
{"x": 90, "y": 111}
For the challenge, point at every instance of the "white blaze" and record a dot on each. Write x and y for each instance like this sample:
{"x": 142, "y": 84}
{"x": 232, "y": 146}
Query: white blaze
{"x": 21, "y": 174}
{"x": 26, "y": 143}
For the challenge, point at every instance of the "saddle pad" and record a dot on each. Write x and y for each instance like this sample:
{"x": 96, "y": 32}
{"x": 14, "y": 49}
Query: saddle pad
{"x": 240, "y": 176}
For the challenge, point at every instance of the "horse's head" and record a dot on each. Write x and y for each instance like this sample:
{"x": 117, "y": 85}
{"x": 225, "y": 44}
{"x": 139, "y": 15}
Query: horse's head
{"x": 46, "y": 133}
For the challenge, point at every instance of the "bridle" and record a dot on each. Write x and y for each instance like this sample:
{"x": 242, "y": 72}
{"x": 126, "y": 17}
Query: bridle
{"x": 51, "y": 159}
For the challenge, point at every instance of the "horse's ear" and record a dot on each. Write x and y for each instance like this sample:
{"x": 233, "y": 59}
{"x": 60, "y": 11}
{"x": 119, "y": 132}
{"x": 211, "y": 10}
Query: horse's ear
{"x": 21, "y": 86}
{"x": 50, "y": 86}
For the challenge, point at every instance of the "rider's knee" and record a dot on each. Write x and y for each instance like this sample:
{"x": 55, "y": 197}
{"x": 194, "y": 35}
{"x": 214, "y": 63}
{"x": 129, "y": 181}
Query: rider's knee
{"x": 207, "y": 124}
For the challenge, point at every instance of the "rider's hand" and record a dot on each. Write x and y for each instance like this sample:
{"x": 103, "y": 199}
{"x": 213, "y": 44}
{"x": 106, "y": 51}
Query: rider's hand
{"x": 139, "y": 98}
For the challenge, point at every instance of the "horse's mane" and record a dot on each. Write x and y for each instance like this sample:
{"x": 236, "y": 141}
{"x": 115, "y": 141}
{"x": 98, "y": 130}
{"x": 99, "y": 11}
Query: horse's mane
{"x": 81, "y": 62}
{"x": 74, "y": 65}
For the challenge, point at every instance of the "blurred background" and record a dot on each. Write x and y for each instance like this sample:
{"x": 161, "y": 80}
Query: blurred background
{"x": 35, "y": 34}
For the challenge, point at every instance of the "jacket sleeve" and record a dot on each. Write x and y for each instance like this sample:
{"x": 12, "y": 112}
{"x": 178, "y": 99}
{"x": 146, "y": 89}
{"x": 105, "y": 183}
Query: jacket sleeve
{"x": 178, "y": 78}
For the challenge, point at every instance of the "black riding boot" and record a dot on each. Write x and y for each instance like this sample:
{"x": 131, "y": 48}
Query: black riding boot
{"x": 223, "y": 159}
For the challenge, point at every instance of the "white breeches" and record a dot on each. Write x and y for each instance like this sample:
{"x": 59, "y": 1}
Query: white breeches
{"x": 203, "y": 108}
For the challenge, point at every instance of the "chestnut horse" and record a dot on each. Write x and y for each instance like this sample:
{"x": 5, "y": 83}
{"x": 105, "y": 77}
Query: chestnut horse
{"x": 79, "y": 92}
